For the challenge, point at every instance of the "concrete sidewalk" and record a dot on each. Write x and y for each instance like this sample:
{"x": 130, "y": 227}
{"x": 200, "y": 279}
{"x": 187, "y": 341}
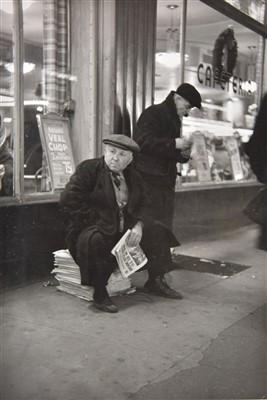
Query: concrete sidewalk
{"x": 58, "y": 347}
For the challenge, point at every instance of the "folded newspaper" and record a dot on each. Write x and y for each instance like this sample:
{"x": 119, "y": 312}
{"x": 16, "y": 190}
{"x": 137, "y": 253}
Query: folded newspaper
{"x": 129, "y": 259}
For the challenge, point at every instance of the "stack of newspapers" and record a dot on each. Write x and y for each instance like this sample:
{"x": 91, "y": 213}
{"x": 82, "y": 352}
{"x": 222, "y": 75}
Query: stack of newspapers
{"x": 67, "y": 273}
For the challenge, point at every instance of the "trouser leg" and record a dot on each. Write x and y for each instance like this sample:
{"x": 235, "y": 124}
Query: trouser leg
{"x": 96, "y": 261}
{"x": 155, "y": 244}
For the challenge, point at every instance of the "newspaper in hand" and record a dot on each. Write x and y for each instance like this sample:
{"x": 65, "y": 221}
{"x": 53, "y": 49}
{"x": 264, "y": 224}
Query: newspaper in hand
{"x": 129, "y": 259}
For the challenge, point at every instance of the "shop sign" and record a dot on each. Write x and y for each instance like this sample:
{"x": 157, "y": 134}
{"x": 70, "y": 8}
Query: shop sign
{"x": 236, "y": 85}
{"x": 55, "y": 137}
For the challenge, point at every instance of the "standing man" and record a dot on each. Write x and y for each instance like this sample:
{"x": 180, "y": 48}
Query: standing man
{"x": 158, "y": 132}
{"x": 103, "y": 199}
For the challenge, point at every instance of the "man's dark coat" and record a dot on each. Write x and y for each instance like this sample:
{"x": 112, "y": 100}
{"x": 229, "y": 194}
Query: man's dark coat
{"x": 90, "y": 202}
{"x": 256, "y": 148}
{"x": 156, "y": 130}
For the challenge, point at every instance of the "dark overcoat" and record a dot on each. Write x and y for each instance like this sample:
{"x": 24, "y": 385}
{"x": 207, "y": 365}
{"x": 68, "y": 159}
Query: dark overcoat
{"x": 256, "y": 148}
{"x": 90, "y": 202}
{"x": 156, "y": 130}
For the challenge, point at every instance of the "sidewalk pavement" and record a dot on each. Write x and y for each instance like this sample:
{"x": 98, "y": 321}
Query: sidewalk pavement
{"x": 56, "y": 346}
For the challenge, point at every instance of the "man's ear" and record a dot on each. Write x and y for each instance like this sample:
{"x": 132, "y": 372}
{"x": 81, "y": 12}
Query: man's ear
{"x": 130, "y": 158}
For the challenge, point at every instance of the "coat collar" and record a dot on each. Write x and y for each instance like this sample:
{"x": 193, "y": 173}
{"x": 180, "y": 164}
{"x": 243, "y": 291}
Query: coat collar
{"x": 107, "y": 185}
{"x": 169, "y": 102}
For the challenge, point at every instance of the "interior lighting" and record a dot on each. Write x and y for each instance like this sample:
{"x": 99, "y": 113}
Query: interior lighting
{"x": 252, "y": 107}
{"x": 27, "y": 67}
{"x": 249, "y": 86}
{"x": 9, "y": 102}
{"x": 171, "y": 58}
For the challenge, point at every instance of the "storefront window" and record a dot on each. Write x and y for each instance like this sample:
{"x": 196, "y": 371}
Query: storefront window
{"x": 39, "y": 41}
{"x": 6, "y": 100}
{"x": 223, "y": 60}
{"x": 216, "y": 46}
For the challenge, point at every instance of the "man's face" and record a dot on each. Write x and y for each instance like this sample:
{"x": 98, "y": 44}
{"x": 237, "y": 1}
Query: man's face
{"x": 117, "y": 159}
{"x": 182, "y": 106}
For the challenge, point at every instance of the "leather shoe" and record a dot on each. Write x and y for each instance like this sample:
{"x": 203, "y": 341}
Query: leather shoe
{"x": 159, "y": 287}
{"x": 105, "y": 305}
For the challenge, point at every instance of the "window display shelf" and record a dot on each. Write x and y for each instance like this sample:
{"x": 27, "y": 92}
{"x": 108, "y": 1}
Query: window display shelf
{"x": 215, "y": 127}
{"x": 198, "y": 186}
{"x": 217, "y": 156}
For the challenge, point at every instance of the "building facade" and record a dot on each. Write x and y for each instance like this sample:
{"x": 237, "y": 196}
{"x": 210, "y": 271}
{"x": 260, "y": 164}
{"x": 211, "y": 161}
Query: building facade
{"x": 91, "y": 67}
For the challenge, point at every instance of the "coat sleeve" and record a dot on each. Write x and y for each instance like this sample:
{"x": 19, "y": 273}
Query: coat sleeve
{"x": 142, "y": 209}
{"x": 74, "y": 200}
{"x": 151, "y": 135}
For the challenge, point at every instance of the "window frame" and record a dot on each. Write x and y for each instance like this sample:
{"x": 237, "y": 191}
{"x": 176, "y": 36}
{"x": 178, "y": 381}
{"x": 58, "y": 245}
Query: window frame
{"x": 19, "y": 197}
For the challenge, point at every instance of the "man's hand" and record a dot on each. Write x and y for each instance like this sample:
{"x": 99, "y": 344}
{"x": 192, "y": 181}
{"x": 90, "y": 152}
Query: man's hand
{"x": 183, "y": 144}
{"x": 136, "y": 235}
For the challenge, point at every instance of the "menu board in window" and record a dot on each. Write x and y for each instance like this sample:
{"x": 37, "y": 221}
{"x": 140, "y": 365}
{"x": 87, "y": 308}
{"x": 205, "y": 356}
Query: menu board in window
{"x": 201, "y": 160}
{"x": 55, "y": 138}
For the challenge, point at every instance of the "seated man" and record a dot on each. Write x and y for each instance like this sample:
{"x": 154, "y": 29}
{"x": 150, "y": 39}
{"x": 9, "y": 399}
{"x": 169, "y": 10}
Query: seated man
{"x": 103, "y": 199}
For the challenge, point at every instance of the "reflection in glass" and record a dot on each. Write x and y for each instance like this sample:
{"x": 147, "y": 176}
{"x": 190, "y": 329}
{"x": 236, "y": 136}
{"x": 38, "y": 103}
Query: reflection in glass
{"x": 45, "y": 48}
{"x": 6, "y": 103}
{"x": 33, "y": 94}
{"x": 167, "y": 58}
{"x": 234, "y": 101}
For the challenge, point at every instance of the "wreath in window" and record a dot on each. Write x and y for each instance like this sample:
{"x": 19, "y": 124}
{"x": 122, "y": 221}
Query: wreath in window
{"x": 224, "y": 55}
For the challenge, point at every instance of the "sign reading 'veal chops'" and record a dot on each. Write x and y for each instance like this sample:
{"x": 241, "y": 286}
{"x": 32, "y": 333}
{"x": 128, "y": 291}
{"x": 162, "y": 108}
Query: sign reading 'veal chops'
{"x": 55, "y": 138}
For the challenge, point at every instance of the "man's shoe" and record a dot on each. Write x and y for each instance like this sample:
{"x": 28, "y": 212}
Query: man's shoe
{"x": 106, "y": 305}
{"x": 159, "y": 287}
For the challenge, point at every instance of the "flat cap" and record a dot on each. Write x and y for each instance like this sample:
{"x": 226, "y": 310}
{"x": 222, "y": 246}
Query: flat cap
{"x": 123, "y": 142}
{"x": 189, "y": 93}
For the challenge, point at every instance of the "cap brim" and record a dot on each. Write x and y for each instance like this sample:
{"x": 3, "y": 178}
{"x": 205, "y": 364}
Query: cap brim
{"x": 119, "y": 145}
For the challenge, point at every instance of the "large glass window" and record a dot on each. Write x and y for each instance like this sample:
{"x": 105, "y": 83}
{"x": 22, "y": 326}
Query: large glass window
{"x": 37, "y": 42}
{"x": 214, "y": 45}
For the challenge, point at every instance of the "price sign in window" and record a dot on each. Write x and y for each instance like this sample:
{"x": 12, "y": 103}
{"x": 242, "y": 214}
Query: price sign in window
{"x": 55, "y": 137}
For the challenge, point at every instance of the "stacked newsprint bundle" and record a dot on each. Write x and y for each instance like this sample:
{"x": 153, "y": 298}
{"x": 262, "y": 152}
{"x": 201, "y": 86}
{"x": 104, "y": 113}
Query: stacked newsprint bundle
{"x": 67, "y": 273}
